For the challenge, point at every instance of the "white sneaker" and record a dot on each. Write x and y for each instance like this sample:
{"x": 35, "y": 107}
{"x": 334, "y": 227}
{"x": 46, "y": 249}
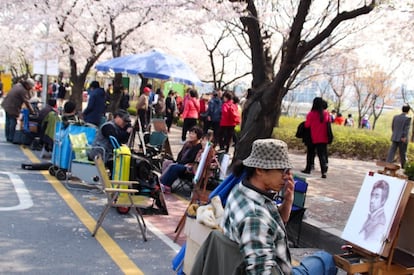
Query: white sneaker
{"x": 182, "y": 142}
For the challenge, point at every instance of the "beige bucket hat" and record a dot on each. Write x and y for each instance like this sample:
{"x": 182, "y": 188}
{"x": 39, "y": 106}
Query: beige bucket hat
{"x": 268, "y": 154}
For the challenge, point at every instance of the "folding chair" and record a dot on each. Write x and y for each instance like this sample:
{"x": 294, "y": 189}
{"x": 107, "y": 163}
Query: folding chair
{"x": 297, "y": 213}
{"x": 155, "y": 149}
{"x": 294, "y": 224}
{"x": 112, "y": 190}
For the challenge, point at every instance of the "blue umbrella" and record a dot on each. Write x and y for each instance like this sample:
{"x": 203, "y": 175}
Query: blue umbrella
{"x": 152, "y": 64}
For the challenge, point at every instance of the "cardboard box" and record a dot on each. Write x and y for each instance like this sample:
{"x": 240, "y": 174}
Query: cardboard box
{"x": 196, "y": 234}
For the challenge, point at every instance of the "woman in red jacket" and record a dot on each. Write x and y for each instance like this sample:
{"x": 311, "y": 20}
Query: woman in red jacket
{"x": 190, "y": 113}
{"x": 230, "y": 117}
{"x": 317, "y": 120}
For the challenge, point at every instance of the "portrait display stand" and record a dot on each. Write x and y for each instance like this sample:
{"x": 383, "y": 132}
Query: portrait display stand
{"x": 393, "y": 251}
{"x": 200, "y": 193}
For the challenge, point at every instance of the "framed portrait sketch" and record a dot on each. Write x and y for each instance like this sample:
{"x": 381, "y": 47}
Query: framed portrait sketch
{"x": 374, "y": 212}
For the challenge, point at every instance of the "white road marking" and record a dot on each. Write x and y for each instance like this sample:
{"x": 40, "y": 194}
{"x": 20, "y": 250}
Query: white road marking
{"x": 25, "y": 200}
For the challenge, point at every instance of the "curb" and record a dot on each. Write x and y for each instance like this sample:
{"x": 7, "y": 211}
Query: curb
{"x": 315, "y": 234}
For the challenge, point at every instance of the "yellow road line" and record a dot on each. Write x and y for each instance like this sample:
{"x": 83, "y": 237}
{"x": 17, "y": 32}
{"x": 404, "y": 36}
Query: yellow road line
{"x": 109, "y": 245}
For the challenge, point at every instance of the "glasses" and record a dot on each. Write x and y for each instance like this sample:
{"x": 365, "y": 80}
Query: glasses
{"x": 284, "y": 171}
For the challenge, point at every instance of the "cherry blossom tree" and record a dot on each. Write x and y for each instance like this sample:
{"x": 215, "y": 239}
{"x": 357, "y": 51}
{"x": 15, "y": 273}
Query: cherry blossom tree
{"x": 307, "y": 35}
{"x": 373, "y": 88}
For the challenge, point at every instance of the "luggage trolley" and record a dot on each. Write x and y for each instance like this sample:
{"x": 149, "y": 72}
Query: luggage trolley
{"x": 62, "y": 152}
{"x": 81, "y": 167}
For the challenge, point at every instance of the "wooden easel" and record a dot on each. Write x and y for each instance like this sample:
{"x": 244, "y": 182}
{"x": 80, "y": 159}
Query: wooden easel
{"x": 200, "y": 193}
{"x": 359, "y": 260}
{"x": 390, "y": 169}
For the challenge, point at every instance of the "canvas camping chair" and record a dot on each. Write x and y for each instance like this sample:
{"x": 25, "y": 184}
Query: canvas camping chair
{"x": 112, "y": 191}
{"x": 294, "y": 224}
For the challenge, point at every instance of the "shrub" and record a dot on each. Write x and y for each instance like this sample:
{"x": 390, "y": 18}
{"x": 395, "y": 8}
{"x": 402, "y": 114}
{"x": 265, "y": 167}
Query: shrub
{"x": 132, "y": 111}
{"x": 348, "y": 142}
{"x": 409, "y": 170}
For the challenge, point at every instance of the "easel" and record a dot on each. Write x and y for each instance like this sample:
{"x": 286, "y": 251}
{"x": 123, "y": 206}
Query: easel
{"x": 200, "y": 193}
{"x": 390, "y": 169}
{"x": 359, "y": 260}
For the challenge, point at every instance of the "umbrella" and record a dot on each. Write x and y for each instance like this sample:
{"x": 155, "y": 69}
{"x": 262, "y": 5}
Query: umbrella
{"x": 152, "y": 64}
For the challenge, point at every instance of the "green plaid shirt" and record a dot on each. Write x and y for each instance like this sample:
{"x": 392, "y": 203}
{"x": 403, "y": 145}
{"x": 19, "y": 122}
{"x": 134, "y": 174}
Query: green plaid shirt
{"x": 253, "y": 221}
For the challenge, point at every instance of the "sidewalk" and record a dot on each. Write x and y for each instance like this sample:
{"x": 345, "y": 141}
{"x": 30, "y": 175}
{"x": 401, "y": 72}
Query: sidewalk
{"x": 329, "y": 201}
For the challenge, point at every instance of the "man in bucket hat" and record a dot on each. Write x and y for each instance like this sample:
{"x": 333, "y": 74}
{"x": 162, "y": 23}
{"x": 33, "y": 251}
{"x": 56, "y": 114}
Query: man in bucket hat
{"x": 119, "y": 128}
{"x": 256, "y": 223}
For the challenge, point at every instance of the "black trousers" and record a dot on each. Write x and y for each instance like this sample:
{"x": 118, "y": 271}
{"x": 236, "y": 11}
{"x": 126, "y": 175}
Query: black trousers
{"x": 169, "y": 120}
{"x": 225, "y": 137}
{"x": 187, "y": 125}
{"x": 322, "y": 151}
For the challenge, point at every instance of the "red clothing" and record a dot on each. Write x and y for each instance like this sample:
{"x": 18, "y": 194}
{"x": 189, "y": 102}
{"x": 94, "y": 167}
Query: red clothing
{"x": 38, "y": 87}
{"x": 203, "y": 105}
{"x": 340, "y": 120}
{"x": 319, "y": 130}
{"x": 227, "y": 114}
{"x": 191, "y": 108}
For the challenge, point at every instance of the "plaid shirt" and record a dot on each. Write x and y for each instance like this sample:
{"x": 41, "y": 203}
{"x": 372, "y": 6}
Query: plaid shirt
{"x": 253, "y": 221}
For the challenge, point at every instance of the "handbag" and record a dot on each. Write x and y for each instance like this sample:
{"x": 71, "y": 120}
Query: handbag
{"x": 330, "y": 133}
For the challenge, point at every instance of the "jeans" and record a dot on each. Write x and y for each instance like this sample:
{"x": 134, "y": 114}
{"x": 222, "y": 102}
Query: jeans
{"x": 10, "y": 127}
{"x": 173, "y": 172}
{"x": 320, "y": 263}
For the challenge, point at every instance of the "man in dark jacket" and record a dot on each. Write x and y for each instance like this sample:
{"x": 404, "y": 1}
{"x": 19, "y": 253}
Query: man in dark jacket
{"x": 12, "y": 104}
{"x": 95, "y": 110}
{"x": 400, "y": 131}
{"x": 214, "y": 114}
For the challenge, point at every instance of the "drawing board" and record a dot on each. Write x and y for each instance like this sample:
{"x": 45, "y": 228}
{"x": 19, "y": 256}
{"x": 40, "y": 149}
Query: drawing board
{"x": 374, "y": 211}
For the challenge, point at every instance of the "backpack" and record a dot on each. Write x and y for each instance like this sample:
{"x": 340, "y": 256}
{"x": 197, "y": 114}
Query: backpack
{"x": 235, "y": 113}
{"x": 300, "y": 131}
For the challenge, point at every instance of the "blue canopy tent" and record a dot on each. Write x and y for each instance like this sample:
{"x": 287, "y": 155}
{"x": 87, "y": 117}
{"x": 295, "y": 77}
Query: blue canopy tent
{"x": 152, "y": 64}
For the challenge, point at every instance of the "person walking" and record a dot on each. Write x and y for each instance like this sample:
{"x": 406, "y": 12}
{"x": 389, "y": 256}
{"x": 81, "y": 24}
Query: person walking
{"x": 142, "y": 108}
{"x": 190, "y": 113}
{"x": 170, "y": 109}
{"x": 124, "y": 103}
{"x": 349, "y": 122}
{"x": 12, "y": 105}
{"x": 317, "y": 121}
{"x": 400, "y": 129}
{"x": 61, "y": 95}
{"x": 159, "y": 104}
{"x": 230, "y": 117}
{"x": 94, "y": 112}
{"x": 214, "y": 115}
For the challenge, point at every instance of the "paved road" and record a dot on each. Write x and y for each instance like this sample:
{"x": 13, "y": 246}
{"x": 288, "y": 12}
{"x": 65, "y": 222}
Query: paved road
{"x": 329, "y": 202}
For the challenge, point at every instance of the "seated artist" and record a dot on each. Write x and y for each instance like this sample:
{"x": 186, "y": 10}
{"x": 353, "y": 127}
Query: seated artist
{"x": 69, "y": 115}
{"x": 119, "y": 128}
{"x": 185, "y": 158}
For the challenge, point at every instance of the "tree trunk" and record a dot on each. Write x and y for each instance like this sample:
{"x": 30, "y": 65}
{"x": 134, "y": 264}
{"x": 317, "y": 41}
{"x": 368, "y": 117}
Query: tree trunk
{"x": 117, "y": 93}
{"x": 77, "y": 93}
{"x": 260, "y": 114}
